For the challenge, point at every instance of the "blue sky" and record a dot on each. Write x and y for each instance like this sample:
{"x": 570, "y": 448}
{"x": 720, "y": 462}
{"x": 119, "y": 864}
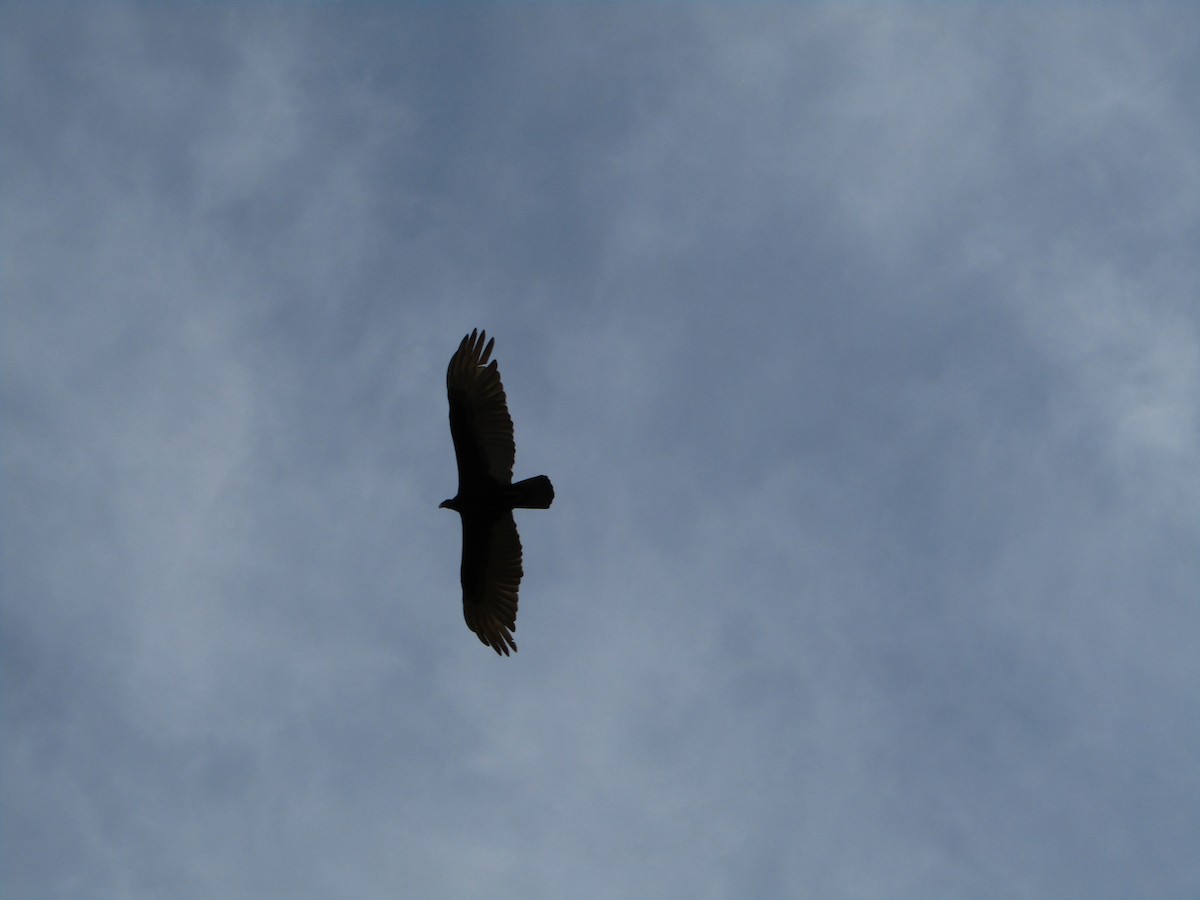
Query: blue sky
{"x": 861, "y": 342}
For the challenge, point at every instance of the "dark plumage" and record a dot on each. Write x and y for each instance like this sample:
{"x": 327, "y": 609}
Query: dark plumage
{"x": 483, "y": 442}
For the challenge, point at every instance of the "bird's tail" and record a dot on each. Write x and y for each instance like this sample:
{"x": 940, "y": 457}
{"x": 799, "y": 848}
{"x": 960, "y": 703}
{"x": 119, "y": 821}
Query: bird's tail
{"x": 533, "y": 493}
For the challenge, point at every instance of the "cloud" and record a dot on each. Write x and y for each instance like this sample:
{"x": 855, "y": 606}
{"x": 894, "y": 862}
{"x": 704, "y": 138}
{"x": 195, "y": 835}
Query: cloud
{"x": 861, "y": 348}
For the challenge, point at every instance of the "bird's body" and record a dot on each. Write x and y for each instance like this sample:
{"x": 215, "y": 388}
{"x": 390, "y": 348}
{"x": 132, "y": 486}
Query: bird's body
{"x": 483, "y": 444}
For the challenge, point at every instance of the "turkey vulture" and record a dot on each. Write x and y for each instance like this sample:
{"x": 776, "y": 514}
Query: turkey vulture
{"x": 483, "y": 442}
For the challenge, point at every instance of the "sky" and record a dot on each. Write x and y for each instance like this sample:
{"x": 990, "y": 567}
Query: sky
{"x": 860, "y": 341}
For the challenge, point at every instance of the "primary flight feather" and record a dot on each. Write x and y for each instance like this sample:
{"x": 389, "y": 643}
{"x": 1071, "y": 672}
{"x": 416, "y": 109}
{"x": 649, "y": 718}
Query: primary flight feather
{"x": 482, "y": 431}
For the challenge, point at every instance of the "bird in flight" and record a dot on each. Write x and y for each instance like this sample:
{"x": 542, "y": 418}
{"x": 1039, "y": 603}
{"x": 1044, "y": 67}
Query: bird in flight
{"x": 483, "y": 443}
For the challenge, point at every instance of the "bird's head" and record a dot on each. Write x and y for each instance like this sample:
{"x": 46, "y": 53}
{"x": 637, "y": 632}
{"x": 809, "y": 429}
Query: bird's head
{"x": 449, "y": 504}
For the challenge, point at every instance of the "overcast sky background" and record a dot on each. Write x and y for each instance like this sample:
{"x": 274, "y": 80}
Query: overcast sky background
{"x": 861, "y": 342}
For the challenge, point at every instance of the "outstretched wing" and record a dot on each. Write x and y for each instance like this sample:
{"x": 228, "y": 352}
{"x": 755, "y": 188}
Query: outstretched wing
{"x": 491, "y": 577}
{"x": 479, "y": 421}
